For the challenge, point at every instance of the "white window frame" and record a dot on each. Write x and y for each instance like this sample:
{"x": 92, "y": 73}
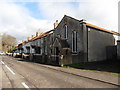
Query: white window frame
{"x": 66, "y": 32}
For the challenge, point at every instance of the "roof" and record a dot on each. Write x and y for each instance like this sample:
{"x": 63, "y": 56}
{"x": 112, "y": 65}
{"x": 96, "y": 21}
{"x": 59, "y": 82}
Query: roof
{"x": 81, "y": 21}
{"x": 102, "y": 29}
{"x": 20, "y": 44}
{"x": 37, "y": 37}
{"x": 41, "y": 35}
{"x": 94, "y": 26}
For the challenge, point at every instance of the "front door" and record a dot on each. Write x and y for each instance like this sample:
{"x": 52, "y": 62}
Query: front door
{"x": 57, "y": 51}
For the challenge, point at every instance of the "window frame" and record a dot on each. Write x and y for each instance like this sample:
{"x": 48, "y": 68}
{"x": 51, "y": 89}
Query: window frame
{"x": 65, "y": 31}
{"x": 74, "y": 42}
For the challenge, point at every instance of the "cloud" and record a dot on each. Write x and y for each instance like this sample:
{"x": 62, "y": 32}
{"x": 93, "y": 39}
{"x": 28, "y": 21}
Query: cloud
{"x": 56, "y": 10}
{"x": 104, "y": 14}
{"x": 16, "y": 21}
{"x": 98, "y": 12}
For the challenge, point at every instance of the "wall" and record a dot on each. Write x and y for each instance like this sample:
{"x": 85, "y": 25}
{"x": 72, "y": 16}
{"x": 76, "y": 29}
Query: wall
{"x": 118, "y": 49}
{"x": 111, "y": 52}
{"x": 25, "y": 45}
{"x": 73, "y": 25}
{"x": 97, "y": 43}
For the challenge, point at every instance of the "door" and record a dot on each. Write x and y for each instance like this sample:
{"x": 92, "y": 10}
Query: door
{"x": 57, "y": 51}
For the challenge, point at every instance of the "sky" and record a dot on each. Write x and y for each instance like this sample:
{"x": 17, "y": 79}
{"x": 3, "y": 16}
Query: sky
{"x": 23, "y": 18}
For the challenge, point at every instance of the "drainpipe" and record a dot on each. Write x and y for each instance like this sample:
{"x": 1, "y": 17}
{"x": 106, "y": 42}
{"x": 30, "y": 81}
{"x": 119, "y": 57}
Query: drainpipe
{"x": 84, "y": 27}
{"x": 87, "y": 43}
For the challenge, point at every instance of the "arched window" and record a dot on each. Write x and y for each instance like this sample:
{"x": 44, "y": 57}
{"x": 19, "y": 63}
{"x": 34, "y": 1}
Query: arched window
{"x": 66, "y": 32}
{"x": 74, "y": 41}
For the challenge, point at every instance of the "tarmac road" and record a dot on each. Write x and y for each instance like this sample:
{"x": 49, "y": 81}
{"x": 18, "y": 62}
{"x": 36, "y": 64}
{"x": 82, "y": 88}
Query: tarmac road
{"x": 22, "y": 74}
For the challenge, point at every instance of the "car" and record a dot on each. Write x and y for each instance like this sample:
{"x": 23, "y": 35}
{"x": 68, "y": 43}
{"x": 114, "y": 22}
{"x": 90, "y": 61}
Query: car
{"x": 2, "y": 53}
{"x": 16, "y": 54}
{"x": 9, "y": 54}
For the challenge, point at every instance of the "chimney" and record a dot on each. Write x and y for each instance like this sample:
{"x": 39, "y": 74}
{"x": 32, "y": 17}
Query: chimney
{"x": 37, "y": 34}
{"x": 22, "y": 41}
{"x": 28, "y": 38}
{"x": 56, "y": 24}
{"x": 32, "y": 36}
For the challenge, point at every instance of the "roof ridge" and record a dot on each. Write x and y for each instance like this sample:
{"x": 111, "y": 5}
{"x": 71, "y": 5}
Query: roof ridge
{"x": 103, "y": 29}
{"x": 94, "y": 26}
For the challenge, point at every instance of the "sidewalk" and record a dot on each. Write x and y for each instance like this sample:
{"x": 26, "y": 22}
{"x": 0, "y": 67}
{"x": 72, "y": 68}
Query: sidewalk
{"x": 98, "y": 75}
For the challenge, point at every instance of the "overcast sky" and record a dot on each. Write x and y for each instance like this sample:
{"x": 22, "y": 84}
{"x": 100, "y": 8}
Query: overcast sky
{"x": 22, "y": 18}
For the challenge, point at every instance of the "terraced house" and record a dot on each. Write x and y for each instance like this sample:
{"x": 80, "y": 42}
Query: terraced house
{"x": 72, "y": 41}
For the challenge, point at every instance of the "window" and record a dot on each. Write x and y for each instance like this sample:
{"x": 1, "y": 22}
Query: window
{"x": 51, "y": 50}
{"x": 36, "y": 43}
{"x": 39, "y": 42}
{"x": 37, "y": 49}
{"x": 41, "y": 50}
{"x": 74, "y": 41}
{"x": 66, "y": 32}
{"x": 28, "y": 49}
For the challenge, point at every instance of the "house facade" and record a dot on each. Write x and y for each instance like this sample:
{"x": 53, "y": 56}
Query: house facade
{"x": 71, "y": 41}
{"x": 77, "y": 41}
{"x": 38, "y": 48}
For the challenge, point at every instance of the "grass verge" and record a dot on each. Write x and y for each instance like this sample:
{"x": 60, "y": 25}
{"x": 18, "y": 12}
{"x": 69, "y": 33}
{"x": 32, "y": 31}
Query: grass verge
{"x": 112, "y": 66}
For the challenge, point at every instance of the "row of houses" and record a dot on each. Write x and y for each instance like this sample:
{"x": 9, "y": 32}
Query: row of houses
{"x": 71, "y": 41}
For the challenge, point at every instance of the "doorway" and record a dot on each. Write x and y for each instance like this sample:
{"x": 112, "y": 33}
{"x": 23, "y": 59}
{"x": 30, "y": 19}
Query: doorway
{"x": 56, "y": 53}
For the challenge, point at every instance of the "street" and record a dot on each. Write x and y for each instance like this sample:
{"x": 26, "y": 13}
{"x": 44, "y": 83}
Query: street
{"x": 17, "y": 73}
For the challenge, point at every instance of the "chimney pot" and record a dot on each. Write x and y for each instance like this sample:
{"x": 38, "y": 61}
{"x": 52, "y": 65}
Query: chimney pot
{"x": 37, "y": 34}
{"x": 56, "y": 24}
{"x": 32, "y": 36}
{"x": 28, "y": 38}
{"x": 22, "y": 41}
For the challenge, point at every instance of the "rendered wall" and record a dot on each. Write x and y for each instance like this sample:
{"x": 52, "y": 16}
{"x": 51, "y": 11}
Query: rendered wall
{"x": 97, "y": 43}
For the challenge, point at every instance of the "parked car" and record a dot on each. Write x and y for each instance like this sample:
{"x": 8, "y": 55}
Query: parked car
{"x": 16, "y": 54}
{"x": 2, "y": 53}
{"x": 9, "y": 54}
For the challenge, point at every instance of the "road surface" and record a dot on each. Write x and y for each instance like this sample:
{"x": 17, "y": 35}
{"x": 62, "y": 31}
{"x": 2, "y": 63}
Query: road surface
{"x": 17, "y": 73}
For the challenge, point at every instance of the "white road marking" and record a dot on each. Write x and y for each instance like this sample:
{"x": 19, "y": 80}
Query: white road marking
{"x": 10, "y": 70}
{"x": 2, "y": 62}
{"x": 23, "y": 83}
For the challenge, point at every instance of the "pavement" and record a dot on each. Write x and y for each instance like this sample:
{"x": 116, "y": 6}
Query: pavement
{"x": 97, "y": 75}
{"x": 18, "y": 73}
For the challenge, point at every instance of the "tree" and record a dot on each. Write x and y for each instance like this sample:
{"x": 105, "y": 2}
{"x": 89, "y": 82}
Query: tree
{"x": 8, "y": 42}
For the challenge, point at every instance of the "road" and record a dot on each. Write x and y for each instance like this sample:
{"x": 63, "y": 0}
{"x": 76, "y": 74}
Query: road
{"x": 17, "y": 73}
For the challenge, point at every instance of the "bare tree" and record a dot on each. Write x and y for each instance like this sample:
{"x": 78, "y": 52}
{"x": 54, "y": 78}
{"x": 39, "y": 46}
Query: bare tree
{"x": 8, "y": 42}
